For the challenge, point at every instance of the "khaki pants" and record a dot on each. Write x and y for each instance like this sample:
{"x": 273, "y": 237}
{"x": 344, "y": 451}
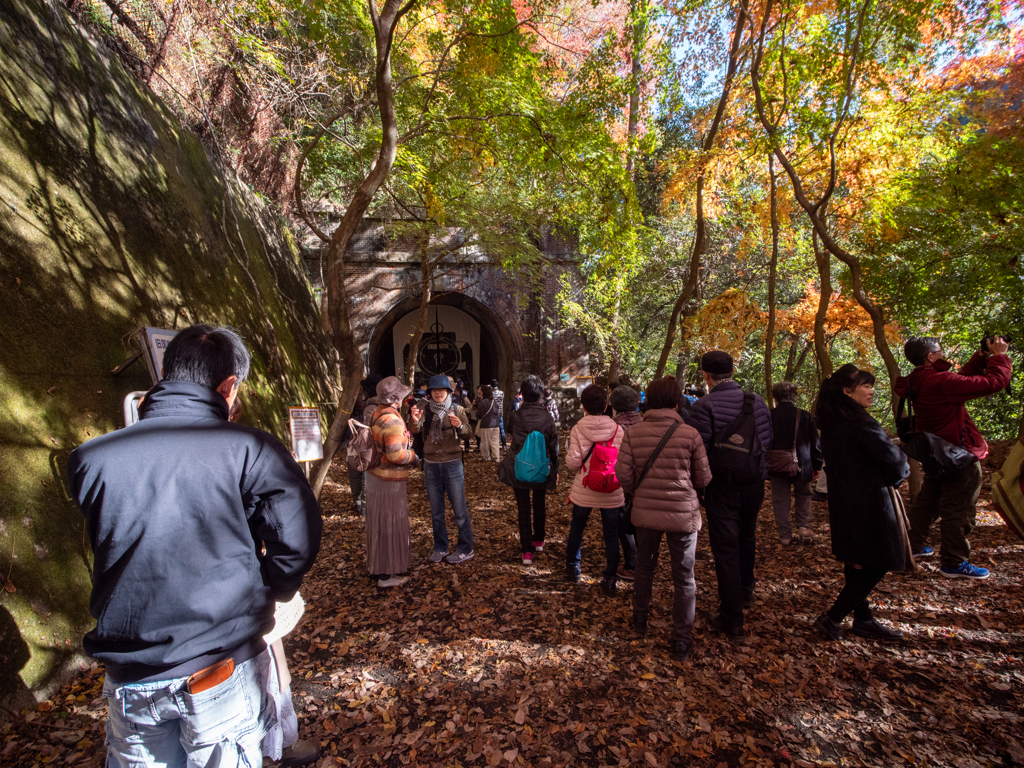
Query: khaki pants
{"x": 781, "y": 503}
{"x": 488, "y": 443}
{"x": 951, "y": 500}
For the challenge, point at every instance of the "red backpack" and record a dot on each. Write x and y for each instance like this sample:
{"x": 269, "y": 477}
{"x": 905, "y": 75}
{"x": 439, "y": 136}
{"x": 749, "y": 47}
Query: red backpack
{"x": 601, "y": 476}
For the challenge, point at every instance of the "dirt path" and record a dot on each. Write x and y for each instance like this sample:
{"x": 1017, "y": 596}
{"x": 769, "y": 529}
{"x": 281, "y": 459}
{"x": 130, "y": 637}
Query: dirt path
{"x": 493, "y": 663}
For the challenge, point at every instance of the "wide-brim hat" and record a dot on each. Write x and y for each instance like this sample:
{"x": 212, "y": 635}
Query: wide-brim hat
{"x": 716, "y": 362}
{"x": 393, "y": 390}
{"x": 439, "y": 382}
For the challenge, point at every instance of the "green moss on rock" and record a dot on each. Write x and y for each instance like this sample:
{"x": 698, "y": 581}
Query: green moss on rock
{"x": 112, "y": 217}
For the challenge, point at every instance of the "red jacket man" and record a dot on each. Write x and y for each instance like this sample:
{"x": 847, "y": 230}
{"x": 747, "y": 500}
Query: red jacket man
{"x": 938, "y": 396}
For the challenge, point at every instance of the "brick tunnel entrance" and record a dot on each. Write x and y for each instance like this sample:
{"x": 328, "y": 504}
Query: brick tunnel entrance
{"x": 463, "y": 339}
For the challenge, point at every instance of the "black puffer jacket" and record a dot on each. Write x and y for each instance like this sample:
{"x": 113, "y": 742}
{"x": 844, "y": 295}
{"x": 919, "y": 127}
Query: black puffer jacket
{"x": 723, "y": 404}
{"x": 808, "y": 446}
{"x": 862, "y": 462}
{"x": 529, "y": 418}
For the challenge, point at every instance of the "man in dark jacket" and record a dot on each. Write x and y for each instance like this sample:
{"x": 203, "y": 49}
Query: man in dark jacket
{"x": 938, "y": 396}
{"x": 732, "y": 506}
{"x": 198, "y": 527}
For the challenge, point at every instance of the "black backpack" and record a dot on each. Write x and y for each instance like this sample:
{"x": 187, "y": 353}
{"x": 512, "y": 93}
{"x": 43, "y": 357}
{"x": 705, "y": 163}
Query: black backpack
{"x": 736, "y": 454}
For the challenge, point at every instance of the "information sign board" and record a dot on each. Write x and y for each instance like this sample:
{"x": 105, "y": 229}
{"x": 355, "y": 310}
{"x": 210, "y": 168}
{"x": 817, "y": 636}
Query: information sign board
{"x": 157, "y": 340}
{"x": 307, "y": 443}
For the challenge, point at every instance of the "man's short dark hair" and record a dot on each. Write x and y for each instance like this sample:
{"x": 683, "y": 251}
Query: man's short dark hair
{"x": 206, "y": 355}
{"x": 531, "y": 389}
{"x": 917, "y": 348}
{"x": 784, "y": 391}
{"x": 664, "y": 393}
{"x": 494, "y": 383}
{"x": 594, "y": 399}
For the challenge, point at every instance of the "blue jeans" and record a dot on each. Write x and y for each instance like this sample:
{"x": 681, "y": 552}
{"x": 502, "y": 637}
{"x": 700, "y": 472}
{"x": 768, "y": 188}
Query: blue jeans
{"x": 161, "y": 724}
{"x": 610, "y": 528}
{"x": 439, "y": 479}
{"x": 501, "y": 431}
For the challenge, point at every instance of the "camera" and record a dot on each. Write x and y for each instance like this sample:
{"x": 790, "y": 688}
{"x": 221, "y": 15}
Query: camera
{"x": 992, "y": 337}
{"x": 986, "y": 339}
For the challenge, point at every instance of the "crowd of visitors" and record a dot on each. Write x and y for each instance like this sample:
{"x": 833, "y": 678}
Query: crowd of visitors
{"x": 182, "y": 659}
{"x": 649, "y": 461}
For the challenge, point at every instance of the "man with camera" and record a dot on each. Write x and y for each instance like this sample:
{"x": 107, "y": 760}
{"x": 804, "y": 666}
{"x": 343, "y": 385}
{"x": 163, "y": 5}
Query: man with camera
{"x": 938, "y": 396}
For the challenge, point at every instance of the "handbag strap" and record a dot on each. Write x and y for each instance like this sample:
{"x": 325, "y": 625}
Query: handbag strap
{"x": 657, "y": 451}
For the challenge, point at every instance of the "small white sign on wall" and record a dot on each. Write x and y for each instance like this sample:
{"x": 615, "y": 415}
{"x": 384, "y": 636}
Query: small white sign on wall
{"x": 307, "y": 443}
{"x": 157, "y": 340}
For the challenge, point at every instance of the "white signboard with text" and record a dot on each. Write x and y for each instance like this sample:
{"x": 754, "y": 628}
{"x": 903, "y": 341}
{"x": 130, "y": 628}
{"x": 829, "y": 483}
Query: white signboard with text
{"x": 307, "y": 443}
{"x": 157, "y": 340}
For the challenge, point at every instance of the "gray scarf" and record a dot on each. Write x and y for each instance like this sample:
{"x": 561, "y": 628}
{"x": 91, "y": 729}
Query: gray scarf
{"x": 439, "y": 410}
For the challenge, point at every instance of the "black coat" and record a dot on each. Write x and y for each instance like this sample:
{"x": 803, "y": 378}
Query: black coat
{"x": 862, "y": 463}
{"x": 178, "y": 508}
{"x": 808, "y": 446}
{"x": 529, "y": 418}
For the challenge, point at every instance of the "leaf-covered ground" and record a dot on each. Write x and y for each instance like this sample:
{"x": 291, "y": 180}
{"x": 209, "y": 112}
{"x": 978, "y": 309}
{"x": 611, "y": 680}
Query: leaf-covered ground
{"x": 493, "y": 663}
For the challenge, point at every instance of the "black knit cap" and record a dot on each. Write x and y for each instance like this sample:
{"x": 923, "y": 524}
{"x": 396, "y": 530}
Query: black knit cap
{"x": 716, "y": 362}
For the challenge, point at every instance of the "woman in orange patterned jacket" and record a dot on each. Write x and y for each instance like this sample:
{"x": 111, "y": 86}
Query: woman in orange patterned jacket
{"x": 388, "y": 544}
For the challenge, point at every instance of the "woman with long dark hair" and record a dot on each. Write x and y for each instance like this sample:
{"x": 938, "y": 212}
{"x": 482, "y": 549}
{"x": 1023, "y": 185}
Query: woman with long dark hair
{"x": 866, "y": 534}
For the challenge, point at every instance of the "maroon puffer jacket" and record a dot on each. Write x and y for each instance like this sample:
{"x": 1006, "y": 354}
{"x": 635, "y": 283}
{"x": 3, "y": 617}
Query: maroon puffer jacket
{"x": 666, "y": 501}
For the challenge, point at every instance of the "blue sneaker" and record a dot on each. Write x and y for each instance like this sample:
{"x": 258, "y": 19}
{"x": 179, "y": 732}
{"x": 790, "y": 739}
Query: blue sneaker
{"x": 924, "y": 551}
{"x": 963, "y": 571}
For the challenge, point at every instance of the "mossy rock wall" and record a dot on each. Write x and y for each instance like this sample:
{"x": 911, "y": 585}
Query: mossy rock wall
{"x": 112, "y": 218}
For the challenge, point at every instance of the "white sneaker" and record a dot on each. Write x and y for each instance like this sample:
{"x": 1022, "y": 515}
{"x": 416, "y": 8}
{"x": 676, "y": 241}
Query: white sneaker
{"x": 394, "y": 581}
{"x": 437, "y": 556}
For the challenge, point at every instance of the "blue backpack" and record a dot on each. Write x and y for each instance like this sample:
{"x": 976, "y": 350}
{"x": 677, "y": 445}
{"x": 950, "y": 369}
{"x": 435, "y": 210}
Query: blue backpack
{"x": 532, "y": 464}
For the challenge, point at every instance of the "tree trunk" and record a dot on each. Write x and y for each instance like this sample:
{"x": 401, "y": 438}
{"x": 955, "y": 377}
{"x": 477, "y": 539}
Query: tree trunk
{"x": 821, "y": 351}
{"x": 639, "y": 10}
{"x": 769, "y": 336}
{"x": 699, "y": 243}
{"x": 427, "y": 273}
{"x": 815, "y": 211}
{"x": 342, "y": 334}
{"x": 800, "y": 360}
{"x": 790, "y": 360}
{"x": 614, "y": 348}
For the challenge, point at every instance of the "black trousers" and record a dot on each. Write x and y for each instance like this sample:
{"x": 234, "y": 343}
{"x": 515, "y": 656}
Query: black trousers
{"x": 531, "y": 530}
{"x": 732, "y": 527}
{"x": 854, "y": 595}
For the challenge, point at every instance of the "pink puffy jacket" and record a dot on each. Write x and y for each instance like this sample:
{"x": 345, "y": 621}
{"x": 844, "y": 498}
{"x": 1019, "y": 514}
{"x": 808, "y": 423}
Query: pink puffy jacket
{"x": 590, "y": 430}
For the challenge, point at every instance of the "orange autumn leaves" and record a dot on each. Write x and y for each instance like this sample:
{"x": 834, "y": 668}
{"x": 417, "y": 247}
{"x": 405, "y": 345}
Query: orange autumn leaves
{"x": 728, "y": 320}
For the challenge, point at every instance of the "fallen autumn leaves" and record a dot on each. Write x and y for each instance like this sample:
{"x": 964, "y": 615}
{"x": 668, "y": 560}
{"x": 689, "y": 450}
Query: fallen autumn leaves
{"x": 493, "y": 663}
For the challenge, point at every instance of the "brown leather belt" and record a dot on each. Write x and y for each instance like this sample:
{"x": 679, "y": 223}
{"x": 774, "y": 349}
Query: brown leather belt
{"x": 212, "y": 676}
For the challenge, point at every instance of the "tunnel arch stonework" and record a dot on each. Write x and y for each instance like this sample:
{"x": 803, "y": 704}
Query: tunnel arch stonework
{"x": 518, "y": 317}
